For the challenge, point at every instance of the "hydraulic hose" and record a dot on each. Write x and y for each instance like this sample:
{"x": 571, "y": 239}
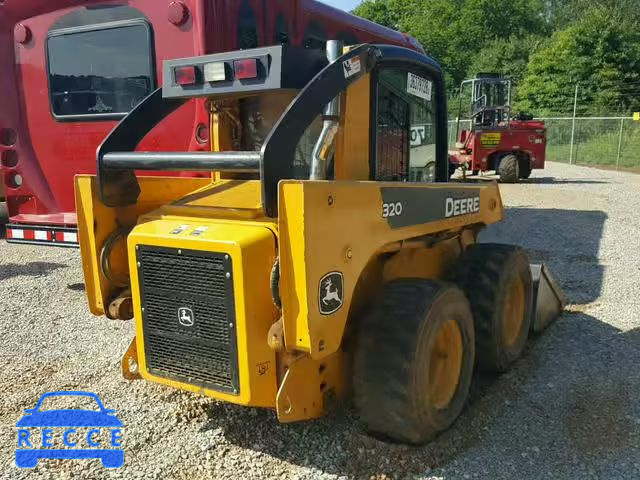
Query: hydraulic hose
{"x": 275, "y": 284}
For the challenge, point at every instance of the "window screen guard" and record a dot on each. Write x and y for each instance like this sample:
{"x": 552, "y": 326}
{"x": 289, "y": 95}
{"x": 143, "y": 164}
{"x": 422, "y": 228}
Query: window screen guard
{"x": 404, "y": 127}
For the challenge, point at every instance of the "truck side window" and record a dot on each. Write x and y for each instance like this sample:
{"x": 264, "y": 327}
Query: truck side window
{"x": 405, "y": 145}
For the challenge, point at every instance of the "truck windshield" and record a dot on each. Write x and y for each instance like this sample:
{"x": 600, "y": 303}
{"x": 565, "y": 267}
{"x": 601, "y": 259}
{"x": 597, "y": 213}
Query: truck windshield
{"x": 105, "y": 71}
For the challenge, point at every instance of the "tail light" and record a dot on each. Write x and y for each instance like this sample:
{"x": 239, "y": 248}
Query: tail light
{"x": 185, "y": 76}
{"x": 246, "y": 69}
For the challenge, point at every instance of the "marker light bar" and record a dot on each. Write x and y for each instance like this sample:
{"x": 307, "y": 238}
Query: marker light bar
{"x": 215, "y": 72}
{"x": 185, "y": 76}
{"x": 244, "y": 72}
{"x": 246, "y": 69}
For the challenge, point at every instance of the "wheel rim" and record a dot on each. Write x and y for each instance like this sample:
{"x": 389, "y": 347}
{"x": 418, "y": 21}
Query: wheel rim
{"x": 513, "y": 315}
{"x": 445, "y": 364}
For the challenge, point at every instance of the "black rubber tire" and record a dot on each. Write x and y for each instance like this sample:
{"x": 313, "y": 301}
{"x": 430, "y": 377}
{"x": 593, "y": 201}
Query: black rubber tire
{"x": 391, "y": 364}
{"x": 509, "y": 169}
{"x": 486, "y": 273}
{"x": 525, "y": 168}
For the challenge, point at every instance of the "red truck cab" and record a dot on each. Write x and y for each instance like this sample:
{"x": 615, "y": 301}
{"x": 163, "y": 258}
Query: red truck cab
{"x": 73, "y": 68}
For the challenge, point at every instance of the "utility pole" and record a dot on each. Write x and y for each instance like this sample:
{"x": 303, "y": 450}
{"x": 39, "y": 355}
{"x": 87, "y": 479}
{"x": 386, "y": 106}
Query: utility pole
{"x": 573, "y": 126}
{"x": 620, "y": 143}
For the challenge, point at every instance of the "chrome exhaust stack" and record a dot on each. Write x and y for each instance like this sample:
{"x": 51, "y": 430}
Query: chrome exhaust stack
{"x": 325, "y": 146}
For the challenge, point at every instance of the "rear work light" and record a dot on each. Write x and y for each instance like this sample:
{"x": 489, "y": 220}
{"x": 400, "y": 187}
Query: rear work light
{"x": 246, "y": 69}
{"x": 215, "y": 72}
{"x": 185, "y": 75}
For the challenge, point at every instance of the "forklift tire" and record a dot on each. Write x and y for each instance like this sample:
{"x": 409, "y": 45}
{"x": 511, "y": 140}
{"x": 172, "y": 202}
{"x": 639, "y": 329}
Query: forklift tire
{"x": 498, "y": 283}
{"x": 414, "y": 360}
{"x": 525, "y": 169}
{"x": 509, "y": 169}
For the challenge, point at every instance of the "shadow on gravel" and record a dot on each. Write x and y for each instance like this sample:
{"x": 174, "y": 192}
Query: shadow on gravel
{"x": 533, "y": 180}
{"x": 551, "y": 416}
{"x": 563, "y": 181}
{"x": 76, "y": 287}
{"x": 31, "y": 269}
{"x": 601, "y": 414}
{"x": 568, "y": 241}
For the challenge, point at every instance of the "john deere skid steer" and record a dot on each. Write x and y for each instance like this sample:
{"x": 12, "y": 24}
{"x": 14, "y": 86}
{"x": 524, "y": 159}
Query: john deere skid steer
{"x": 308, "y": 266}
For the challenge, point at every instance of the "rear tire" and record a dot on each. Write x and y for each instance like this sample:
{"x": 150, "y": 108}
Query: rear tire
{"x": 497, "y": 281}
{"x": 524, "y": 165}
{"x": 414, "y": 360}
{"x": 525, "y": 169}
{"x": 509, "y": 169}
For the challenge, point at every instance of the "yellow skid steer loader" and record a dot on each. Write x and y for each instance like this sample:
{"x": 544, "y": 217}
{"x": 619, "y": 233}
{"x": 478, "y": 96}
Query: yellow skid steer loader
{"x": 308, "y": 266}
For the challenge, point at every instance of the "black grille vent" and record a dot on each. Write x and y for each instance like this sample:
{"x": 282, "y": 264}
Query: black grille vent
{"x": 188, "y": 316}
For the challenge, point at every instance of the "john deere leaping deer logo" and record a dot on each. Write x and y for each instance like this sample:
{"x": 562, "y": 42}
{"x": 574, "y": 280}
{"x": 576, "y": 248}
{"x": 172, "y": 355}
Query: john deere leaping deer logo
{"x": 331, "y": 293}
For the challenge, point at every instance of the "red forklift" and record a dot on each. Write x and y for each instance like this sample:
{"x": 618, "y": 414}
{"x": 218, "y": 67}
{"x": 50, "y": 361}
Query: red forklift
{"x": 495, "y": 141}
{"x": 73, "y": 68}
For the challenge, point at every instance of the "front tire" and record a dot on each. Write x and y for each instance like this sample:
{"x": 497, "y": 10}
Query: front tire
{"x": 497, "y": 281}
{"x": 509, "y": 169}
{"x": 414, "y": 360}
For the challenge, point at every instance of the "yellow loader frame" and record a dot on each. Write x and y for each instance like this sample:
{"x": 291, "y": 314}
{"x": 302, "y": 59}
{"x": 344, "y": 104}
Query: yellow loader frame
{"x": 336, "y": 243}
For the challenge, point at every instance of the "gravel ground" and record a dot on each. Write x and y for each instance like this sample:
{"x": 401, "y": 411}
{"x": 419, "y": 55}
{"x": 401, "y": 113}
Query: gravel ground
{"x": 568, "y": 409}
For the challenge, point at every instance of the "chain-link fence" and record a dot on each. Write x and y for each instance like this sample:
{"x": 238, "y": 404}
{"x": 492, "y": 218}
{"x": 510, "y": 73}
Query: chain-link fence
{"x": 604, "y": 141}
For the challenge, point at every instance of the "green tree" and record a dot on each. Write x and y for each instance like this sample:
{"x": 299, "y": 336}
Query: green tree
{"x": 562, "y": 13}
{"x": 509, "y": 57}
{"x": 455, "y": 31}
{"x": 382, "y": 12}
{"x": 600, "y": 52}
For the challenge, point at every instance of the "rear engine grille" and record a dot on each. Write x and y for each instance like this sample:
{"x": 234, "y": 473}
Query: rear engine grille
{"x": 188, "y": 316}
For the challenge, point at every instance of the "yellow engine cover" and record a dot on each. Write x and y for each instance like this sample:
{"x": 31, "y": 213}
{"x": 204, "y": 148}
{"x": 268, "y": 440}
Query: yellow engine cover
{"x": 203, "y": 306}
